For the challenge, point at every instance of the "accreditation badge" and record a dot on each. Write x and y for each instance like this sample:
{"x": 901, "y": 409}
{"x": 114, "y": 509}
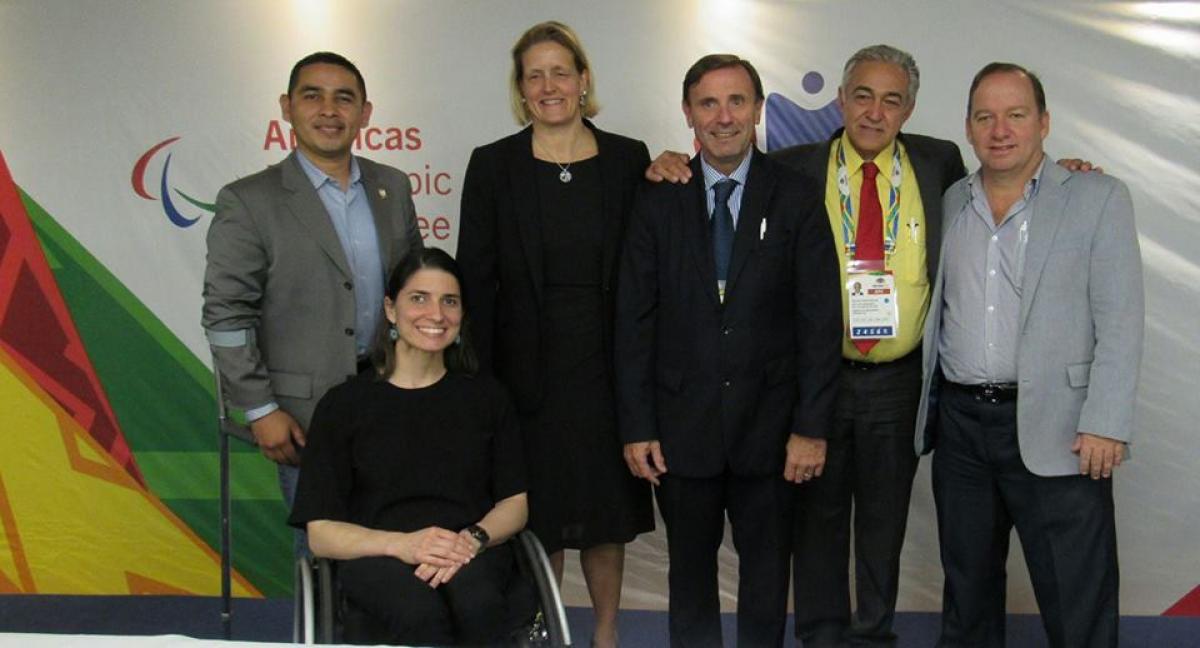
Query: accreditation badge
{"x": 871, "y": 295}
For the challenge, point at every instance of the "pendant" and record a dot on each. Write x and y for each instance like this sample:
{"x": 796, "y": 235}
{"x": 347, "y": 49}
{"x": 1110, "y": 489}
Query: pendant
{"x": 565, "y": 176}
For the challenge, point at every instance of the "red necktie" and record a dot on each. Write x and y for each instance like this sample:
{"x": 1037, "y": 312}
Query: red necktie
{"x": 868, "y": 234}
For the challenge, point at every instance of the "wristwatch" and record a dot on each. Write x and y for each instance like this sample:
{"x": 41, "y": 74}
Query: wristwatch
{"x": 477, "y": 532}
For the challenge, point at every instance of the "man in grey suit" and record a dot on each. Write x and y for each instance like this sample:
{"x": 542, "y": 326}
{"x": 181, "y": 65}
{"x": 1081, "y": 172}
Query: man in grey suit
{"x": 1030, "y": 365}
{"x": 297, "y": 258}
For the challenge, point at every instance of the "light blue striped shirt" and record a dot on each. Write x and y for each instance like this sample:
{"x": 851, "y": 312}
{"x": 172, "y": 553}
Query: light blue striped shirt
{"x": 350, "y": 213}
{"x": 712, "y": 177}
{"x": 981, "y": 294}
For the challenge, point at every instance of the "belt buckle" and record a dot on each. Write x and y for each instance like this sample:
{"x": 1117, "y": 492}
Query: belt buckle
{"x": 992, "y": 393}
{"x": 988, "y": 393}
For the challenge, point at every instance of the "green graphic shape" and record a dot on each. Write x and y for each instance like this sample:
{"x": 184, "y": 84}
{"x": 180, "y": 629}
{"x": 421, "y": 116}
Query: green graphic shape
{"x": 162, "y": 396}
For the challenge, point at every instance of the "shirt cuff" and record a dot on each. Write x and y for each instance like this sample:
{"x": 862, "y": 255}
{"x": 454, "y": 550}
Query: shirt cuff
{"x": 255, "y": 413}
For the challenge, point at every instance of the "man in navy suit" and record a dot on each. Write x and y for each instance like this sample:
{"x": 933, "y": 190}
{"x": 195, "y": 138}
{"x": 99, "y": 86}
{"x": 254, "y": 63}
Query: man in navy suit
{"x": 726, "y": 344}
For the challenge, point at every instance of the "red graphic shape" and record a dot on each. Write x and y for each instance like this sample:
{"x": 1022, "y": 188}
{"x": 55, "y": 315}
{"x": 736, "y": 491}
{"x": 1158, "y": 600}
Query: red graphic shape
{"x": 138, "y": 177}
{"x": 37, "y": 329}
{"x": 1189, "y": 605}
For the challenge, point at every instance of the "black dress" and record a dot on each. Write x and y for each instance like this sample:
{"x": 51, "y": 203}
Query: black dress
{"x": 513, "y": 208}
{"x": 397, "y": 459}
{"x": 581, "y": 493}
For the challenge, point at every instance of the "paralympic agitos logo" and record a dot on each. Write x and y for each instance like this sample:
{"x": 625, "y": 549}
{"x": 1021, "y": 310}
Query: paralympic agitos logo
{"x": 138, "y": 180}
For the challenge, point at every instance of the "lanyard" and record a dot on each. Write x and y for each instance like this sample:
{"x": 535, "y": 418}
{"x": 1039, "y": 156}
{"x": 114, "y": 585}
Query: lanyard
{"x": 892, "y": 221}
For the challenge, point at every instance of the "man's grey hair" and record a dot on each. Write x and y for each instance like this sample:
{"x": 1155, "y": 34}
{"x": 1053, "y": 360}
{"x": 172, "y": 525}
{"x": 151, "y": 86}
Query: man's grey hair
{"x": 887, "y": 54}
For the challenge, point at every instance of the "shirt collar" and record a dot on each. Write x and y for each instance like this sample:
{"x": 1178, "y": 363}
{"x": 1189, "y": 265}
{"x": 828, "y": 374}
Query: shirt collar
{"x": 883, "y": 160}
{"x": 975, "y": 181}
{"x": 318, "y": 177}
{"x": 712, "y": 176}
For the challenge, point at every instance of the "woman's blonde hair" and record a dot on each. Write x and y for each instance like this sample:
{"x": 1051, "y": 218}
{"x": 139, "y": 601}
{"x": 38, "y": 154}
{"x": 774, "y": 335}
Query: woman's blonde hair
{"x": 550, "y": 31}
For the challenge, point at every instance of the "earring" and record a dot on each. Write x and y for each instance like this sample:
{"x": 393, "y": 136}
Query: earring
{"x": 458, "y": 339}
{"x": 393, "y": 332}
{"x": 583, "y": 98}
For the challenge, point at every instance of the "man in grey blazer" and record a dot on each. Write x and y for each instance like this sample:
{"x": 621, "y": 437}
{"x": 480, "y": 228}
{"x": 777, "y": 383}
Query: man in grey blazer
{"x": 1030, "y": 366}
{"x": 297, "y": 258}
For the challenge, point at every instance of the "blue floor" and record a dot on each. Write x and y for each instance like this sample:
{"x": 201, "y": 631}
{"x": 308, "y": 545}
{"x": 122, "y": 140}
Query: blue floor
{"x": 270, "y": 620}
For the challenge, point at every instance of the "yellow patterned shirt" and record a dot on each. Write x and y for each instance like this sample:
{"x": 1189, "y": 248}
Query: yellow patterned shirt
{"x": 907, "y": 262}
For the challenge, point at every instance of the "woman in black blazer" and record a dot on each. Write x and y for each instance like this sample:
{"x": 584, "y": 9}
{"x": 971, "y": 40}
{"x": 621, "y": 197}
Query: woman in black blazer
{"x": 543, "y": 214}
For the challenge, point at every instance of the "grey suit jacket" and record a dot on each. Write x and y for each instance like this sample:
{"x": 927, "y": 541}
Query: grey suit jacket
{"x": 278, "y": 290}
{"x": 1081, "y": 319}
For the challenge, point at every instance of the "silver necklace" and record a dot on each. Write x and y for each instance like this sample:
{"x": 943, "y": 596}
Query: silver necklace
{"x": 564, "y": 170}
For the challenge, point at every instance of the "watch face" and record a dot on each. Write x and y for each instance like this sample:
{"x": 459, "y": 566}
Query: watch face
{"x": 479, "y": 534}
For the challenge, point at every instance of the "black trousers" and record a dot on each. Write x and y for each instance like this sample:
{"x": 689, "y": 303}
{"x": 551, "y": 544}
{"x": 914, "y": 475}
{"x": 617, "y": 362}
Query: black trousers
{"x": 1066, "y": 527}
{"x": 869, "y": 468}
{"x": 694, "y": 509}
{"x": 471, "y": 609}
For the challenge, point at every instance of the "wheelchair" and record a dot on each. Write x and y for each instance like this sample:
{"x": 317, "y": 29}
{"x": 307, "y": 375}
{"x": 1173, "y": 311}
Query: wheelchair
{"x": 320, "y": 610}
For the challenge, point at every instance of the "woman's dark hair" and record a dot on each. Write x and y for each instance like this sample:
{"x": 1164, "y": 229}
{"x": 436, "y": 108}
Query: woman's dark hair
{"x": 460, "y": 356}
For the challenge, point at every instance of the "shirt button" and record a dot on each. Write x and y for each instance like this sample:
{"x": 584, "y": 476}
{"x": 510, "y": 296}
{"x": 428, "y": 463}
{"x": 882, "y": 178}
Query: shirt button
{"x": 991, "y": 273}
{"x": 349, "y": 331}
{"x": 991, "y": 308}
{"x": 995, "y": 237}
{"x": 348, "y": 286}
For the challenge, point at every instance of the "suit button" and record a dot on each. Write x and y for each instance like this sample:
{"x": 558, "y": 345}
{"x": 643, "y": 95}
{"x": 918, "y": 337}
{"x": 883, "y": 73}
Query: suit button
{"x": 727, "y": 383}
{"x": 348, "y": 286}
{"x": 726, "y": 331}
{"x": 349, "y": 331}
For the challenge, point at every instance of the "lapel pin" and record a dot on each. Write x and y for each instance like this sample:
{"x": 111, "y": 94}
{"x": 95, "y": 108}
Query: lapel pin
{"x": 382, "y": 193}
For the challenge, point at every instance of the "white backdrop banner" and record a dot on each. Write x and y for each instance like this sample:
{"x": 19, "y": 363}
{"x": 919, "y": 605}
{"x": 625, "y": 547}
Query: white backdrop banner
{"x": 123, "y": 118}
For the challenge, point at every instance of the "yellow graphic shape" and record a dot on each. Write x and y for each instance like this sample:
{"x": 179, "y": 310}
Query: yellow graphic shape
{"x": 73, "y": 522}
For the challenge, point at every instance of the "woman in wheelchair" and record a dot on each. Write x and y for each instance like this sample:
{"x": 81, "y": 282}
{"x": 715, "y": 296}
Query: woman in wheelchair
{"x": 410, "y": 474}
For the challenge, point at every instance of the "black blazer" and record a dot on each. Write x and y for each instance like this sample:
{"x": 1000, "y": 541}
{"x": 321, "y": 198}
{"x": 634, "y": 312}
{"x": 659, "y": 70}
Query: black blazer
{"x": 937, "y": 163}
{"x": 500, "y": 251}
{"x": 722, "y": 385}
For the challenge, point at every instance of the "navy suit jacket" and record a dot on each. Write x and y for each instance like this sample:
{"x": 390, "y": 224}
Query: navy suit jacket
{"x": 721, "y": 385}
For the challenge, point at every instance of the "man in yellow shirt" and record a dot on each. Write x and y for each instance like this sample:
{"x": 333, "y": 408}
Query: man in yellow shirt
{"x": 892, "y": 250}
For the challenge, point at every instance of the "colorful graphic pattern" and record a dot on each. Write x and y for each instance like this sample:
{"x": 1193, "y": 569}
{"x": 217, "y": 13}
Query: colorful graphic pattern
{"x": 90, "y": 381}
{"x": 790, "y": 124}
{"x": 138, "y": 181}
{"x": 37, "y": 331}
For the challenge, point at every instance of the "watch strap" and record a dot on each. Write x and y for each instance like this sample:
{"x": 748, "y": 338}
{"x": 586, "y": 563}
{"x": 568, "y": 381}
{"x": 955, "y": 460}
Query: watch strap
{"x": 480, "y": 534}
